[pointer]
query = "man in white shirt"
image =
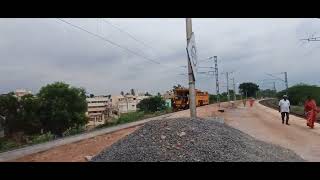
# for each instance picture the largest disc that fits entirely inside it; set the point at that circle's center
(284, 108)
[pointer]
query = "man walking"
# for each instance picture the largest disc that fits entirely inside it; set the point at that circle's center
(284, 108)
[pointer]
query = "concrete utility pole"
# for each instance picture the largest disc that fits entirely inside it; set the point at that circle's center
(274, 87)
(192, 91)
(227, 74)
(286, 81)
(217, 79)
(234, 90)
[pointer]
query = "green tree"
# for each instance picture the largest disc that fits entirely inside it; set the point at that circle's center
(152, 104)
(62, 107)
(21, 115)
(28, 115)
(231, 93)
(9, 106)
(133, 92)
(249, 88)
(212, 98)
(147, 94)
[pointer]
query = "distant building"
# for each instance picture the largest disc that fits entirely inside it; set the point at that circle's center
(98, 110)
(168, 97)
(21, 92)
(98, 99)
(168, 103)
(126, 103)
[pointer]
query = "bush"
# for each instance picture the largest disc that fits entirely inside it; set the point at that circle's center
(42, 138)
(130, 117)
(74, 130)
(168, 110)
(7, 144)
(298, 94)
(212, 98)
(152, 104)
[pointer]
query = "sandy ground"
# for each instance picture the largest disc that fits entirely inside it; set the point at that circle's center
(258, 121)
(77, 151)
(265, 124)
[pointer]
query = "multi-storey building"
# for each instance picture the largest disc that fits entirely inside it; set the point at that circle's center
(98, 110)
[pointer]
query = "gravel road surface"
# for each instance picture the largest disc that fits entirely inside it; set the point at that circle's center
(182, 139)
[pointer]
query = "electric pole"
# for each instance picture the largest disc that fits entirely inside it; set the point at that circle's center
(286, 81)
(217, 79)
(227, 74)
(234, 90)
(192, 91)
(274, 87)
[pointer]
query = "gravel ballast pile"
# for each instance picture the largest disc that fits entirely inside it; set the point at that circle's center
(192, 140)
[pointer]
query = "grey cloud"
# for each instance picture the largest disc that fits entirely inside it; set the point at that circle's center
(34, 52)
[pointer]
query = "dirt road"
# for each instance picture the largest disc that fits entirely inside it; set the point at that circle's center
(258, 121)
(265, 124)
(76, 152)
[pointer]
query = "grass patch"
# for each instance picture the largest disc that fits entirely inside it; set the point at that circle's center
(7, 144)
(130, 117)
(298, 110)
(36, 139)
(134, 116)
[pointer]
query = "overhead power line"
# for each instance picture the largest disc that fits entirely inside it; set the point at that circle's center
(276, 78)
(127, 33)
(109, 41)
(311, 39)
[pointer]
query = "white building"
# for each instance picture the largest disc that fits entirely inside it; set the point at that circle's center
(126, 103)
(21, 92)
(98, 110)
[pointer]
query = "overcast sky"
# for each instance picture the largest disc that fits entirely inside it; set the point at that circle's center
(35, 52)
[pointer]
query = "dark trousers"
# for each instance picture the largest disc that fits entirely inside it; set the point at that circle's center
(287, 117)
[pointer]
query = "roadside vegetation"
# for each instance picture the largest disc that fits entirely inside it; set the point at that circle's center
(297, 95)
(58, 110)
(148, 108)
